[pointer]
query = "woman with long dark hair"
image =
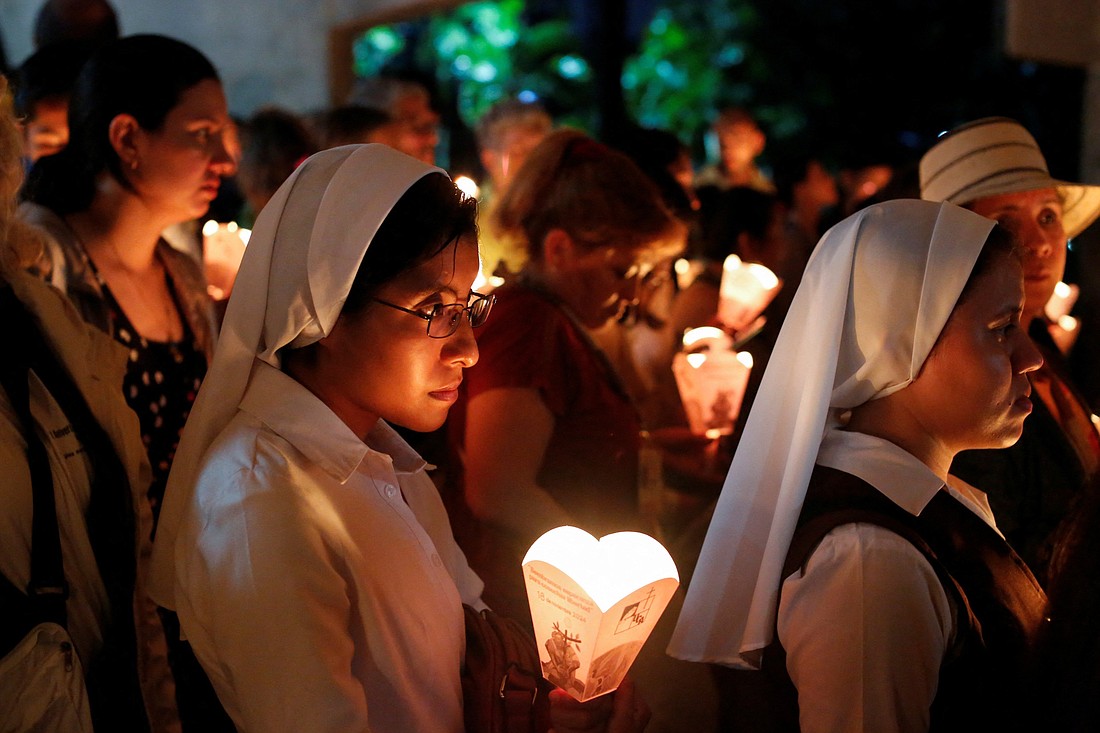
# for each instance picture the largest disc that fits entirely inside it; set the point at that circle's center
(149, 144)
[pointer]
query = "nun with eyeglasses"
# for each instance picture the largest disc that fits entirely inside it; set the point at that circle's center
(303, 544)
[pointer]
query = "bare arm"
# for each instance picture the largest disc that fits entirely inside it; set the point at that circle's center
(507, 432)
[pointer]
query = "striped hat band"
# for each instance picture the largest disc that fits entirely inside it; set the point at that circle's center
(996, 156)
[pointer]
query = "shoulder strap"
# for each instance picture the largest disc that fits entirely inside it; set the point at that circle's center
(47, 589)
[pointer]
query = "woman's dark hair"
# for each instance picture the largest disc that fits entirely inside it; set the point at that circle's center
(999, 242)
(656, 151)
(410, 236)
(350, 124)
(47, 74)
(143, 76)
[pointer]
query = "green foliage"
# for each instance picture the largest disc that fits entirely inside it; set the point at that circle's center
(478, 58)
(837, 78)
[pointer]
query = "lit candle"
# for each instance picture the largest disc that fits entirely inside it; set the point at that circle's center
(1061, 301)
(744, 293)
(594, 603)
(711, 379)
(687, 271)
(468, 186)
(222, 249)
(1064, 333)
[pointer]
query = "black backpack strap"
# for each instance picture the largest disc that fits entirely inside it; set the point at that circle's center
(47, 590)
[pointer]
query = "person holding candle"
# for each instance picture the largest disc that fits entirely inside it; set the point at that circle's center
(741, 221)
(545, 432)
(993, 166)
(302, 542)
(849, 579)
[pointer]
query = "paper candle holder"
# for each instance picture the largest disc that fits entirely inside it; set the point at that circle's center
(222, 249)
(711, 379)
(594, 603)
(745, 291)
(1061, 301)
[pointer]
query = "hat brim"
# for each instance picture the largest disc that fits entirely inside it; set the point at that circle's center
(1080, 206)
(1080, 203)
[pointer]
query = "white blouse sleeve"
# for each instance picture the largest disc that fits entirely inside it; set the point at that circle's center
(865, 628)
(269, 617)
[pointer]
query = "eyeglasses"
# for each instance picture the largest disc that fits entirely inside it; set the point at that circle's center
(443, 320)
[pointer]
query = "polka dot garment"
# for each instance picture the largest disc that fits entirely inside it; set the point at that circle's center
(161, 382)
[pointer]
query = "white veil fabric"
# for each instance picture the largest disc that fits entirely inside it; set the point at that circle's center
(875, 295)
(298, 267)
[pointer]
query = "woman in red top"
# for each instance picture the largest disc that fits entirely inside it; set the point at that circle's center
(547, 433)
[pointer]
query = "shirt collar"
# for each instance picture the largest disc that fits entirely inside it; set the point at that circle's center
(298, 416)
(294, 413)
(899, 475)
(384, 439)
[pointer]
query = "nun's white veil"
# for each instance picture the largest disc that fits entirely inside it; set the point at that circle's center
(876, 293)
(295, 276)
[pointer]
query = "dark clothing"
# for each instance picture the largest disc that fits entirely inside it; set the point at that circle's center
(999, 607)
(1035, 484)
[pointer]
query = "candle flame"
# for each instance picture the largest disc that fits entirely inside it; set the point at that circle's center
(1068, 323)
(763, 275)
(694, 335)
(468, 186)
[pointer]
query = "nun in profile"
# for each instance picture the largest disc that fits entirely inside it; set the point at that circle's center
(848, 582)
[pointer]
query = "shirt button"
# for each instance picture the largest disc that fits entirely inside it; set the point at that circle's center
(391, 490)
(436, 560)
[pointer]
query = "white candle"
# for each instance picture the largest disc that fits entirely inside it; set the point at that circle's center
(222, 249)
(745, 291)
(1061, 301)
(711, 381)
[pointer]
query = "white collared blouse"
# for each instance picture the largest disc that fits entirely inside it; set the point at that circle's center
(317, 578)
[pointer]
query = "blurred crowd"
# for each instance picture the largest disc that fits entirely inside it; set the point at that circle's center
(853, 398)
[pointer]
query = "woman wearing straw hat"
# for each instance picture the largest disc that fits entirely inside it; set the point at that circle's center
(867, 588)
(302, 543)
(994, 167)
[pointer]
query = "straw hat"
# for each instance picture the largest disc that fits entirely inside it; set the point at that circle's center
(994, 156)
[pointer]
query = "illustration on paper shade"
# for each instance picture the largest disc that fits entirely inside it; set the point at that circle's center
(594, 603)
(561, 670)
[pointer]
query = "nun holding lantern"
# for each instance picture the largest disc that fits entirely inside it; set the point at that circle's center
(863, 586)
(303, 545)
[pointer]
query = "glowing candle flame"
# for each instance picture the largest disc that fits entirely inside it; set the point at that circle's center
(468, 186)
(745, 291)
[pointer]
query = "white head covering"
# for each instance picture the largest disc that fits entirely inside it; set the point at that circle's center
(296, 273)
(876, 293)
